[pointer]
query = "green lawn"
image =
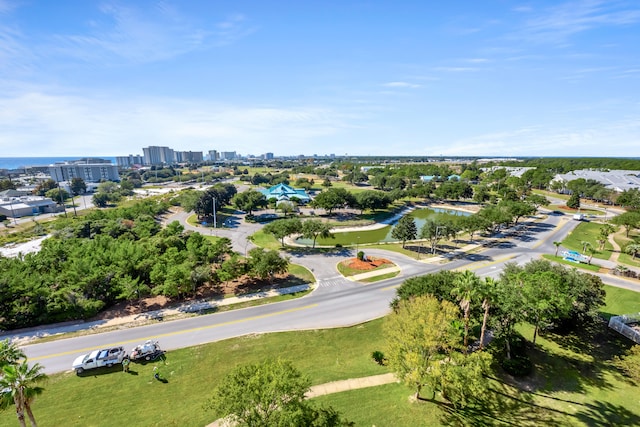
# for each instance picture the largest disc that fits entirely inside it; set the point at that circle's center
(573, 384)
(587, 232)
(560, 260)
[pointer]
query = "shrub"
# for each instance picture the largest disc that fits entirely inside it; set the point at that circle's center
(360, 255)
(378, 357)
(338, 245)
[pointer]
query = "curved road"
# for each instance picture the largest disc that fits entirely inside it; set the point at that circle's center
(336, 301)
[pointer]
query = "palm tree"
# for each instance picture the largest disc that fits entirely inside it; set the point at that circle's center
(465, 288)
(487, 290)
(591, 250)
(17, 386)
(557, 245)
(632, 249)
(585, 245)
(9, 353)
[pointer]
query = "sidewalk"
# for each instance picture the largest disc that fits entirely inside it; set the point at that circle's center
(330, 388)
(23, 336)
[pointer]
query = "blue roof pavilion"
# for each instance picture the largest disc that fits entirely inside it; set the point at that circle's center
(282, 192)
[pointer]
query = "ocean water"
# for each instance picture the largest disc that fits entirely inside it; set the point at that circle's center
(20, 162)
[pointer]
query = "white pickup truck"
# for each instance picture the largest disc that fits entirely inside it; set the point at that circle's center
(98, 358)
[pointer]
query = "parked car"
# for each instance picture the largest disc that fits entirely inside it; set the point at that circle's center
(98, 358)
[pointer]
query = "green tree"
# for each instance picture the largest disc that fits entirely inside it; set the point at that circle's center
(461, 378)
(313, 228)
(265, 264)
(433, 230)
(270, 393)
(10, 353)
(58, 195)
(100, 200)
(629, 220)
(405, 230)
(18, 386)
(326, 183)
(487, 290)
(78, 186)
(574, 200)
(632, 249)
(465, 289)
(333, 198)
(42, 188)
(536, 200)
(282, 228)
(249, 201)
(419, 334)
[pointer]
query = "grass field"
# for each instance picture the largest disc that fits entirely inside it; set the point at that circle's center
(573, 383)
(560, 260)
(587, 232)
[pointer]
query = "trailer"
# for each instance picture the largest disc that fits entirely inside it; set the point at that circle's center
(98, 358)
(150, 350)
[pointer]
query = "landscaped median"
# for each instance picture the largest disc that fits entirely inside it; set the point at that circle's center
(367, 268)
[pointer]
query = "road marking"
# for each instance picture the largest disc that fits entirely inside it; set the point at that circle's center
(155, 337)
(555, 230)
(480, 264)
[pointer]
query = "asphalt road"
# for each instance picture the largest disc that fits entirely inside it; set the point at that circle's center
(336, 302)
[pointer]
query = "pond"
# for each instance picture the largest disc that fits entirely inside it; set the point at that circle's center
(383, 234)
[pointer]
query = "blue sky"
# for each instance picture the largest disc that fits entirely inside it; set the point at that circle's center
(458, 78)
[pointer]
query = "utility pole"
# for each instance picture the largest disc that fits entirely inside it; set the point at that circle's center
(213, 202)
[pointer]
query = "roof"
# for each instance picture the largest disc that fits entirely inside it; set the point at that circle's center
(285, 192)
(618, 180)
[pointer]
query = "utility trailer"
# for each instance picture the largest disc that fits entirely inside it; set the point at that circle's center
(150, 350)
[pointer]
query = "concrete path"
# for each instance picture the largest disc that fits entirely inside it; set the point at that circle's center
(350, 384)
(615, 254)
(330, 388)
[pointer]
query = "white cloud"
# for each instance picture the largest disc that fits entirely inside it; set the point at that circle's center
(601, 139)
(140, 36)
(45, 124)
(6, 6)
(557, 24)
(402, 85)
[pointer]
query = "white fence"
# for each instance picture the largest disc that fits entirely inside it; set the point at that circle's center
(621, 324)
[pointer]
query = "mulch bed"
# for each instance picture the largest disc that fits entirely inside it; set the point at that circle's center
(243, 285)
(369, 264)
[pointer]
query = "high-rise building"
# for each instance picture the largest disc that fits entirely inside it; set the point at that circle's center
(90, 170)
(128, 161)
(213, 155)
(188, 156)
(268, 156)
(227, 155)
(154, 155)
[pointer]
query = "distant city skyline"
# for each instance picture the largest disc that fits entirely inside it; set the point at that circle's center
(378, 78)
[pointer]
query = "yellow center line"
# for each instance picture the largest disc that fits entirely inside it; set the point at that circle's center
(555, 230)
(481, 264)
(200, 328)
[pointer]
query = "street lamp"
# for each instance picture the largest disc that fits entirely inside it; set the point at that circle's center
(357, 243)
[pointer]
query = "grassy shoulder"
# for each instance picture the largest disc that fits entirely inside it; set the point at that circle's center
(560, 260)
(192, 373)
(573, 385)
